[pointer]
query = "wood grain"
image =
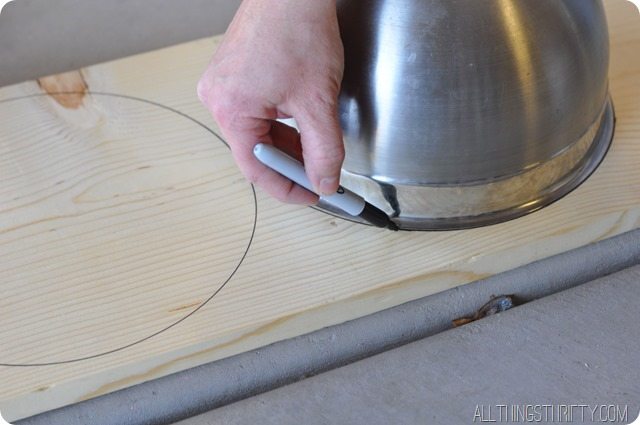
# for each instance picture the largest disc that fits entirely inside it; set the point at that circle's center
(124, 225)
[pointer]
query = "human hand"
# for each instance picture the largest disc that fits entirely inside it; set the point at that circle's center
(280, 59)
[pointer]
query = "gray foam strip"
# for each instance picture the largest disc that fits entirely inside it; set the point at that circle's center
(577, 346)
(206, 387)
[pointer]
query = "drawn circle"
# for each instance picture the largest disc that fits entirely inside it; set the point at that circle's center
(118, 221)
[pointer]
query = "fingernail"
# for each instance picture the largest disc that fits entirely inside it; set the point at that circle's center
(328, 186)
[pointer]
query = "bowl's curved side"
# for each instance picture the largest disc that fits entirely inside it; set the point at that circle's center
(492, 201)
(451, 92)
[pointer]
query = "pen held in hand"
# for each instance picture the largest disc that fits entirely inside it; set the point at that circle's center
(343, 199)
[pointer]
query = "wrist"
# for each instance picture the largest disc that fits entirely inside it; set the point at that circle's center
(309, 11)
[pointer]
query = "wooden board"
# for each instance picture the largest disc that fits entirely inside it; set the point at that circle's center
(131, 247)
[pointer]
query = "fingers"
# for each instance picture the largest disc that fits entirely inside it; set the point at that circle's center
(247, 117)
(270, 181)
(243, 133)
(244, 126)
(322, 144)
(280, 59)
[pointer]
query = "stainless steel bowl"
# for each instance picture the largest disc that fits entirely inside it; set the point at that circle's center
(461, 113)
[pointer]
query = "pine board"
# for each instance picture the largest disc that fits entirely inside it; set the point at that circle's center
(131, 247)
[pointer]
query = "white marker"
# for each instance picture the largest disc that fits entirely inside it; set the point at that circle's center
(343, 199)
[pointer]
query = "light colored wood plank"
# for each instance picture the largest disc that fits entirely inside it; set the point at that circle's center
(120, 217)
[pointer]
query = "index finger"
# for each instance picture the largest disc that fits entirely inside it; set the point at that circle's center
(254, 131)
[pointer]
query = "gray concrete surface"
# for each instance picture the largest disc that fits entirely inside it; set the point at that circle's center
(217, 384)
(577, 347)
(43, 37)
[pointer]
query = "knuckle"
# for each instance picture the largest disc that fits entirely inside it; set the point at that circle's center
(278, 189)
(230, 106)
(221, 112)
(277, 192)
(203, 89)
(323, 99)
(327, 156)
(251, 175)
(279, 195)
(225, 108)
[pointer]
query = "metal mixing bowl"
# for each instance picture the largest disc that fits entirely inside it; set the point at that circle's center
(461, 113)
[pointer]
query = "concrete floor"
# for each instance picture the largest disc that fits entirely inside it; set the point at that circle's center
(577, 347)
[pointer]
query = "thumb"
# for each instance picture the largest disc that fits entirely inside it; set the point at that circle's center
(322, 146)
